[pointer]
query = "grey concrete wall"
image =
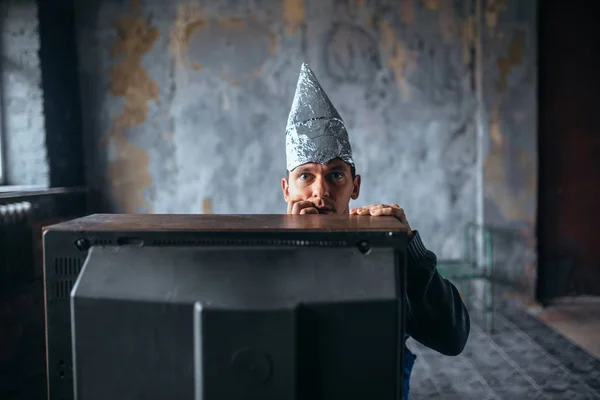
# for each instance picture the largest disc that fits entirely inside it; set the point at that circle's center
(22, 103)
(185, 104)
(509, 48)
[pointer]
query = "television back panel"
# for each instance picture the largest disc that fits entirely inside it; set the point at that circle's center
(66, 247)
(326, 315)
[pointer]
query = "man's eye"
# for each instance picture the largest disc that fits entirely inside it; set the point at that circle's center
(303, 176)
(337, 175)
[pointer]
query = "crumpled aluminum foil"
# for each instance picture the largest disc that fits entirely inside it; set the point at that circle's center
(315, 132)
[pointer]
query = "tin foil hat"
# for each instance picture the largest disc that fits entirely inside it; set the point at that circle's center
(315, 132)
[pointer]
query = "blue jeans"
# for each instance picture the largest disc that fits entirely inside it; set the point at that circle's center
(409, 362)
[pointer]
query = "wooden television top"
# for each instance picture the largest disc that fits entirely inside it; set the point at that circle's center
(226, 222)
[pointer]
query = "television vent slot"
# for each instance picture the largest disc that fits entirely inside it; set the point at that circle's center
(249, 242)
(68, 266)
(102, 242)
(63, 288)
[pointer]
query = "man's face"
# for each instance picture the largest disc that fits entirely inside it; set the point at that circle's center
(329, 187)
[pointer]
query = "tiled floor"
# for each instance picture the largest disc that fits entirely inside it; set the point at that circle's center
(577, 319)
(522, 359)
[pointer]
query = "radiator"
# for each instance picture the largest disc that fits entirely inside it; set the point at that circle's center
(16, 246)
(22, 334)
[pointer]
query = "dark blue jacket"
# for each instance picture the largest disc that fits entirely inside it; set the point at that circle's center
(436, 315)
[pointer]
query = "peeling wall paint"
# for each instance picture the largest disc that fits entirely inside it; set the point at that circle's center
(510, 167)
(493, 8)
(400, 73)
(468, 39)
(294, 15)
(396, 56)
(128, 163)
(514, 197)
(447, 21)
(514, 58)
(433, 5)
(199, 41)
(407, 12)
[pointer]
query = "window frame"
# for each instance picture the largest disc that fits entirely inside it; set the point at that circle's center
(2, 142)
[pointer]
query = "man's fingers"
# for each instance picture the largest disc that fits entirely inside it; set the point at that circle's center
(383, 211)
(369, 210)
(298, 206)
(309, 210)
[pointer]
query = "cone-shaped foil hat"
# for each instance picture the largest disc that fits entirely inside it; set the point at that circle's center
(315, 131)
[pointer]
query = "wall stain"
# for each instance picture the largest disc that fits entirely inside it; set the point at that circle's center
(128, 174)
(495, 132)
(359, 4)
(206, 206)
(407, 12)
(513, 202)
(447, 21)
(493, 9)
(274, 43)
(397, 56)
(191, 28)
(128, 77)
(513, 59)
(232, 23)
(197, 66)
(250, 76)
(433, 5)
(369, 20)
(191, 21)
(294, 15)
(128, 170)
(468, 39)
(136, 6)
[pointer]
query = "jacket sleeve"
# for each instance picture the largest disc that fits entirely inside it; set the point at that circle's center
(436, 315)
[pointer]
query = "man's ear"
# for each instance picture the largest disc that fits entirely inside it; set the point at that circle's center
(285, 188)
(356, 188)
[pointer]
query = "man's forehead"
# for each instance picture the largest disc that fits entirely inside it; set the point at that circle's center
(335, 164)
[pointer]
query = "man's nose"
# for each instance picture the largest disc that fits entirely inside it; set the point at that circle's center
(320, 189)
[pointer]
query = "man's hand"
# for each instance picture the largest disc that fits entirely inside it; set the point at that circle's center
(301, 207)
(377, 210)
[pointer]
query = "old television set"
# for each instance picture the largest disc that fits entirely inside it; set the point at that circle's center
(225, 307)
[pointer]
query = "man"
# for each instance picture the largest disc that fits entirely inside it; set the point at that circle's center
(321, 179)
